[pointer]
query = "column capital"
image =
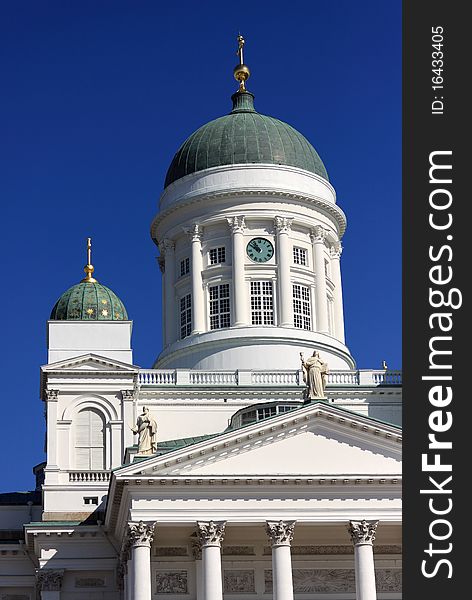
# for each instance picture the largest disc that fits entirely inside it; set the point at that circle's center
(49, 580)
(194, 232)
(280, 533)
(236, 224)
(52, 395)
(283, 224)
(336, 250)
(362, 532)
(166, 245)
(128, 394)
(318, 235)
(210, 533)
(140, 534)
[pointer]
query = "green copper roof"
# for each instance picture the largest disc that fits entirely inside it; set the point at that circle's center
(89, 301)
(244, 137)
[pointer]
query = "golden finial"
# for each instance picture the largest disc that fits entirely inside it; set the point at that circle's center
(241, 72)
(89, 267)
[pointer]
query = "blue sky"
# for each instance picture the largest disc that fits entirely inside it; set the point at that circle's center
(97, 97)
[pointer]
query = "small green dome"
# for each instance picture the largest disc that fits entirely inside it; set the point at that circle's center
(89, 301)
(244, 137)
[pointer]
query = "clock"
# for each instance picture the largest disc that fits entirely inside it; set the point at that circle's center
(260, 250)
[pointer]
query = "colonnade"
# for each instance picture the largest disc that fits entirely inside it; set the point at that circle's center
(136, 559)
(240, 300)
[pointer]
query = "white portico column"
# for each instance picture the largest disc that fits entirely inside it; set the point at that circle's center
(49, 582)
(321, 297)
(362, 535)
(140, 538)
(280, 535)
(210, 535)
(167, 249)
(335, 252)
(238, 226)
(198, 308)
(283, 227)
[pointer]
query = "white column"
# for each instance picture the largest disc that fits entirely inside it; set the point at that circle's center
(51, 440)
(49, 582)
(198, 308)
(210, 535)
(362, 535)
(280, 534)
(284, 258)
(140, 537)
(241, 301)
(335, 252)
(321, 296)
(167, 249)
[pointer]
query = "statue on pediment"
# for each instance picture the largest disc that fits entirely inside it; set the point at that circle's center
(146, 429)
(315, 371)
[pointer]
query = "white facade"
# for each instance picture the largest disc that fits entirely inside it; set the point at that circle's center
(251, 490)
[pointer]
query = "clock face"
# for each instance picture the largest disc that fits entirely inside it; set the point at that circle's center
(260, 250)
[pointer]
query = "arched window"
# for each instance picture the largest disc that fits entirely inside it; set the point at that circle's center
(89, 440)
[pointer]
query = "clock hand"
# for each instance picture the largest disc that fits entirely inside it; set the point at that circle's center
(256, 246)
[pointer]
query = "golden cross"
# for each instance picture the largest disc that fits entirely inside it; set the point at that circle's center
(240, 49)
(89, 251)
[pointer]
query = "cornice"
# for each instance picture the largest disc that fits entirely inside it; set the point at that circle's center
(330, 208)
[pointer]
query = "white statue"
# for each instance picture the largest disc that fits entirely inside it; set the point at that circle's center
(146, 428)
(314, 375)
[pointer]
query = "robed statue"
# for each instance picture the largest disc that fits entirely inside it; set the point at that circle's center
(146, 429)
(315, 371)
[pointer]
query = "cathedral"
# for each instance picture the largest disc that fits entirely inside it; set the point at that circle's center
(253, 459)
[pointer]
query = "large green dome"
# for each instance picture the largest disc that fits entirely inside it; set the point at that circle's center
(89, 301)
(244, 137)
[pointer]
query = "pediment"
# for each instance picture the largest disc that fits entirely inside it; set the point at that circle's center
(90, 362)
(318, 440)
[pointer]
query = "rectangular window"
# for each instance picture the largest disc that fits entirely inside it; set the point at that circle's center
(185, 316)
(219, 306)
(300, 256)
(262, 303)
(217, 255)
(301, 306)
(91, 500)
(184, 266)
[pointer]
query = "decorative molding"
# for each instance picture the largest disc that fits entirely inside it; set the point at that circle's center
(238, 551)
(211, 533)
(318, 235)
(283, 224)
(334, 550)
(194, 232)
(89, 582)
(389, 580)
(128, 394)
(336, 250)
(140, 534)
(49, 580)
(309, 581)
(362, 532)
(170, 551)
(239, 581)
(237, 224)
(280, 533)
(172, 582)
(52, 395)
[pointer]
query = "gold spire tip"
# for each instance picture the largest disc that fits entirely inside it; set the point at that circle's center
(241, 72)
(89, 269)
